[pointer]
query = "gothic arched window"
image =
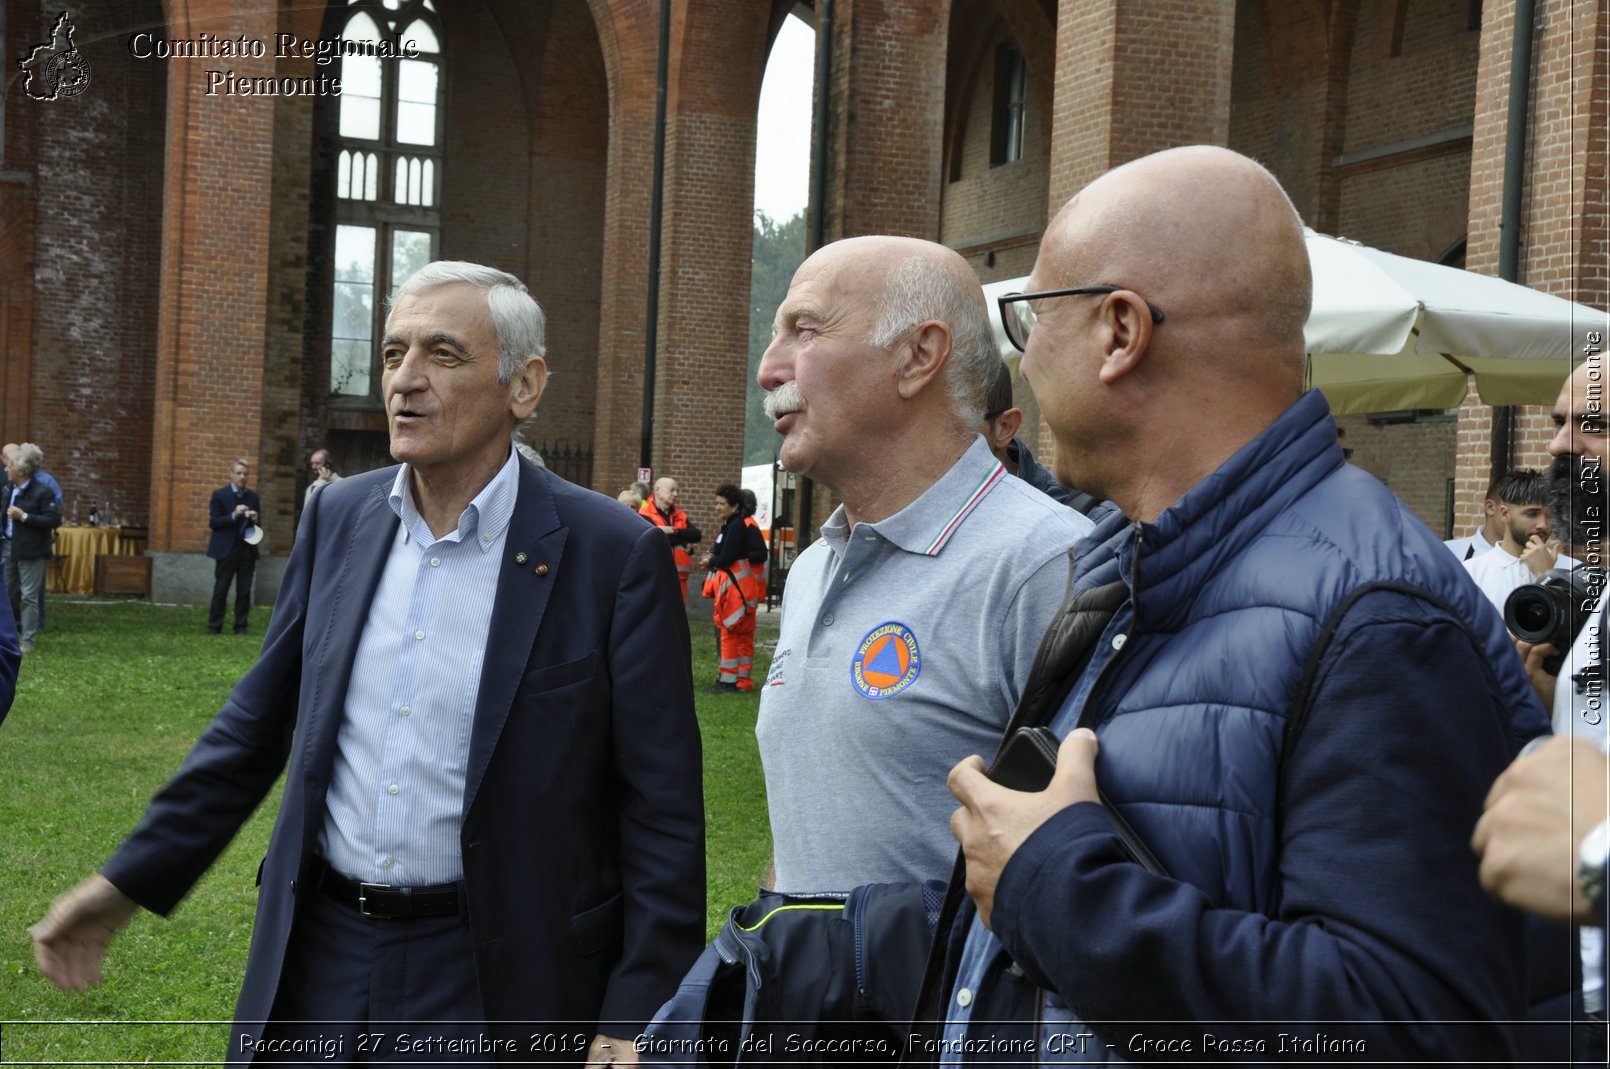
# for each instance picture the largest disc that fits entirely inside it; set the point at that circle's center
(388, 175)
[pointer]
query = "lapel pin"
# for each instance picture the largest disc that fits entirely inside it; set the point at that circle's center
(542, 569)
(520, 558)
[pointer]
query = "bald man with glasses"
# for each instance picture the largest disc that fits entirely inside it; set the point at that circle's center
(1281, 683)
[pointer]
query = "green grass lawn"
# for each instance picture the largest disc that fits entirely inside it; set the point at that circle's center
(105, 711)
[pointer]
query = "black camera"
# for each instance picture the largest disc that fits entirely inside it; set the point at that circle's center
(1553, 609)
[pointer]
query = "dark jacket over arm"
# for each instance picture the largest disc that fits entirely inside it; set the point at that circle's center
(1381, 916)
(737, 541)
(30, 536)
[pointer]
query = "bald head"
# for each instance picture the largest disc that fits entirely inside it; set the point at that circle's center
(913, 282)
(876, 369)
(1212, 287)
(1207, 235)
(665, 492)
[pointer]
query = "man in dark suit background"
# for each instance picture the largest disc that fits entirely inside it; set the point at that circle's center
(31, 518)
(483, 819)
(231, 513)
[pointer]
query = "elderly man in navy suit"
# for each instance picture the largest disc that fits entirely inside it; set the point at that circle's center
(484, 821)
(232, 514)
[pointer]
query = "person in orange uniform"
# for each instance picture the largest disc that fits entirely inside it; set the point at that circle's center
(759, 549)
(734, 580)
(662, 511)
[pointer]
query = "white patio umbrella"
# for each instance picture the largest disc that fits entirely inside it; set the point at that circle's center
(1390, 332)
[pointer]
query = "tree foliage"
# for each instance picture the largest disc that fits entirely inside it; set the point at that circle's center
(779, 248)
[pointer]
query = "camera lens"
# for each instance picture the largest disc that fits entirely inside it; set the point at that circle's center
(1532, 615)
(1536, 612)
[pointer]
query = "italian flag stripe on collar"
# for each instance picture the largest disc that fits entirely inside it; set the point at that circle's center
(971, 503)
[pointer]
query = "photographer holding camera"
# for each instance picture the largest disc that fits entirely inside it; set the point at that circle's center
(1576, 499)
(1543, 837)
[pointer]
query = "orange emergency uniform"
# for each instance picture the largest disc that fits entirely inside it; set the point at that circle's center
(736, 590)
(735, 617)
(679, 520)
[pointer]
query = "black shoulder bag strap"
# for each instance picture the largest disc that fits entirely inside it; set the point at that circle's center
(1062, 657)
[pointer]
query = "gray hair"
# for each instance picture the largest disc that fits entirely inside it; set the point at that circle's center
(524, 447)
(920, 290)
(240, 462)
(29, 457)
(516, 316)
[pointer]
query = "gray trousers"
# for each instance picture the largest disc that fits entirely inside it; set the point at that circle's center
(25, 585)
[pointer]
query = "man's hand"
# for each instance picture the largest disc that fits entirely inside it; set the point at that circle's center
(15, 513)
(1536, 816)
(1533, 657)
(239, 509)
(994, 821)
(607, 1050)
(667, 528)
(1539, 555)
(71, 941)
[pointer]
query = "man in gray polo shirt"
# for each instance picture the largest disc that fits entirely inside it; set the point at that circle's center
(909, 626)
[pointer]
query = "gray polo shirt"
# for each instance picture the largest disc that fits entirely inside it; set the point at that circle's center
(904, 648)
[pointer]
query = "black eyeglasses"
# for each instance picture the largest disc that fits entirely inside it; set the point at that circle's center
(1017, 313)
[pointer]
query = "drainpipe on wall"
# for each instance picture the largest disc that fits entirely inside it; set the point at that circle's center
(651, 336)
(1502, 457)
(818, 210)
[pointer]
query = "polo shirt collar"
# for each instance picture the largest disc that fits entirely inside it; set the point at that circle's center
(926, 525)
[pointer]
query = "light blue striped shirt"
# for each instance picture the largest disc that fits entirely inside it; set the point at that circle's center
(396, 799)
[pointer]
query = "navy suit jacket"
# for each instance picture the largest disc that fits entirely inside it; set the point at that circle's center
(226, 526)
(583, 833)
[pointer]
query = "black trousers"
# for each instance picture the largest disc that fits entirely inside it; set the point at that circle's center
(240, 567)
(359, 990)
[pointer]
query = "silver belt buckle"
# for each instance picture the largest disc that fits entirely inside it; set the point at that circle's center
(363, 898)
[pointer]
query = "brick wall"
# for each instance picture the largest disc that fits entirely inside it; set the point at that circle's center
(628, 32)
(994, 213)
(1364, 112)
(888, 91)
(217, 205)
(1472, 470)
(569, 149)
(1411, 80)
(86, 392)
(1288, 96)
(1133, 78)
(1563, 219)
(287, 437)
(486, 176)
(18, 177)
(139, 320)
(1415, 460)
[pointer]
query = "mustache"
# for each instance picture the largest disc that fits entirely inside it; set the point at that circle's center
(1577, 499)
(783, 400)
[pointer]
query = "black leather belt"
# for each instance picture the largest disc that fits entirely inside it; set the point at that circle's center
(383, 900)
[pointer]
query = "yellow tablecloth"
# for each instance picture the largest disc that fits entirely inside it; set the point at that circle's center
(73, 569)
